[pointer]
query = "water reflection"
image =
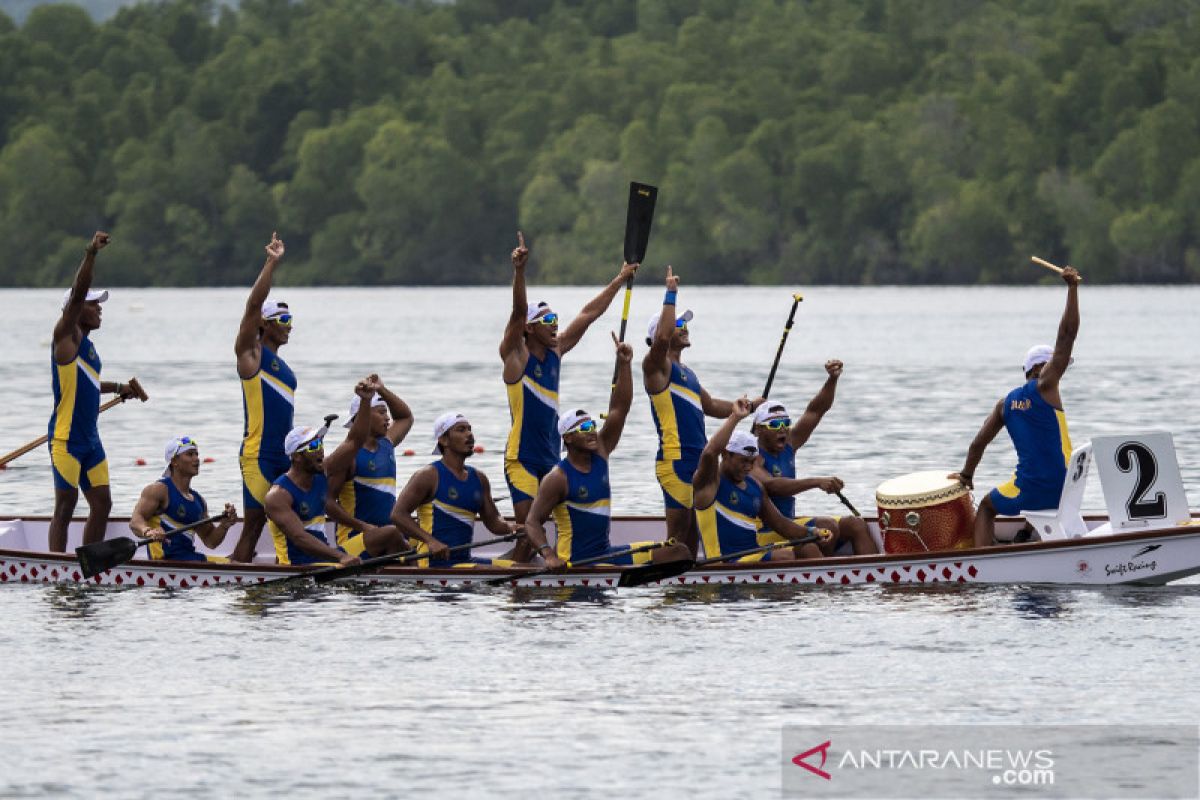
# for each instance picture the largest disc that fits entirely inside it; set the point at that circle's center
(75, 601)
(1044, 603)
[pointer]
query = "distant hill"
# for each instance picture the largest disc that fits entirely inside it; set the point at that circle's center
(99, 10)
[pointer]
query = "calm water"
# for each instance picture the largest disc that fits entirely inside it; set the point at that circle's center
(645, 692)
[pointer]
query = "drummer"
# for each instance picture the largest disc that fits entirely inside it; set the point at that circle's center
(778, 441)
(1033, 415)
(731, 504)
(171, 502)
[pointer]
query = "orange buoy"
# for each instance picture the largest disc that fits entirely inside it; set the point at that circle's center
(209, 460)
(409, 453)
(141, 462)
(478, 448)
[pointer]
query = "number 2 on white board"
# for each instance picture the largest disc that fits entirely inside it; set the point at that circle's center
(1135, 455)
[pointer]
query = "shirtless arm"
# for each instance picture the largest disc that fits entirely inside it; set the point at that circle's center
(656, 365)
(489, 514)
(620, 400)
(279, 510)
(213, 535)
(991, 426)
(513, 351)
(822, 401)
(419, 490)
(1068, 329)
(776, 521)
(152, 500)
(246, 346)
(594, 308)
(705, 481)
(67, 333)
(551, 492)
(402, 416)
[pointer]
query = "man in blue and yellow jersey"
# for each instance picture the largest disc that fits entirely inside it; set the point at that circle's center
(362, 470)
(778, 441)
(171, 503)
(76, 454)
(447, 496)
(268, 397)
(532, 350)
(576, 492)
(1033, 415)
(295, 506)
(678, 404)
(731, 505)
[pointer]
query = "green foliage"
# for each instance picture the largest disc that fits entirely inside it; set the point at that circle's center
(401, 142)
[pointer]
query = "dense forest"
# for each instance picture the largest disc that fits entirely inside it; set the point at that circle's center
(829, 141)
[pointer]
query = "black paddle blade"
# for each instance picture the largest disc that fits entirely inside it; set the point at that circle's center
(637, 222)
(652, 572)
(100, 556)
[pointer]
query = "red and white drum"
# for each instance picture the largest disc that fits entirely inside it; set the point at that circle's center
(925, 511)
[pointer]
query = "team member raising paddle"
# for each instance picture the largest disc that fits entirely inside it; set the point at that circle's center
(76, 454)
(532, 351)
(1033, 415)
(577, 491)
(268, 397)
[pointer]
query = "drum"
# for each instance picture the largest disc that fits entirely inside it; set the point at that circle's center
(925, 511)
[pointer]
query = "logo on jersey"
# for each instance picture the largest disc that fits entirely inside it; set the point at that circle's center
(775, 470)
(371, 465)
(1021, 405)
(179, 512)
(583, 492)
(303, 509)
(274, 365)
(537, 371)
(733, 498)
(452, 493)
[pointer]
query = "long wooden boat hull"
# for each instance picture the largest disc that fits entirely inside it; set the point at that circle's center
(1147, 558)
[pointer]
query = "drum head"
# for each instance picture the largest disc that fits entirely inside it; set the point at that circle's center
(918, 489)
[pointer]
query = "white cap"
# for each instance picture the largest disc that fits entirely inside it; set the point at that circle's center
(356, 403)
(1040, 354)
(273, 308)
(652, 328)
(298, 437)
(769, 411)
(180, 444)
(571, 419)
(535, 310)
(444, 423)
(742, 444)
(93, 296)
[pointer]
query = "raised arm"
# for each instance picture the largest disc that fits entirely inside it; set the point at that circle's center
(1064, 343)
(279, 510)
(152, 500)
(991, 426)
(593, 309)
(338, 463)
(822, 401)
(656, 366)
(418, 491)
(513, 352)
(704, 482)
(67, 333)
(620, 400)
(551, 492)
(246, 346)
(402, 416)
(490, 515)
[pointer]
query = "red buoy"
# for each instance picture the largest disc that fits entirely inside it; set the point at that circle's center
(409, 453)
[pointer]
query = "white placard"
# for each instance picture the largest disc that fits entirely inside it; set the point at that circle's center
(1140, 477)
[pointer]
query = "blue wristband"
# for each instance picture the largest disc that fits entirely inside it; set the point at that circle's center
(669, 300)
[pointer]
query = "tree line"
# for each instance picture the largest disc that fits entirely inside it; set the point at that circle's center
(827, 141)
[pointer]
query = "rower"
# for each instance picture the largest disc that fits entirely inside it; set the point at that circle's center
(362, 470)
(577, 492)
(447, 496)
(171, 503)
(532, 350)
(678, 404)
(1033, 415)
(730, 505)
(76, 454)
(778, 440)
(268, 397)
(295, 505)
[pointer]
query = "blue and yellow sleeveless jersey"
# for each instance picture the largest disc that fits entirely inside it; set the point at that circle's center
(679, 417)
(310, 508)
(370, 493)
(73, 437)
(731, 523)
(268, 402)
(533, 406)
(450, 515)
(180, 512)
(583, 517)
(1039, 433)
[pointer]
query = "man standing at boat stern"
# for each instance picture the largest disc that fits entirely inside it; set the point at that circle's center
(577, 492)
(1033, 415)
(76, 454)
(268, 397)
(678, 404)
(532, 351)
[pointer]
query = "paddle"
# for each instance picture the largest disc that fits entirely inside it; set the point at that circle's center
(582, 562)
(638, 219)
(133, 384)
(787, 328)
(100, 556)
(812, 537)
(646, 573)
(848, 504)
(326, 575)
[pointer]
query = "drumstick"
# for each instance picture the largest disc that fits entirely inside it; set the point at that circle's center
(1047, 264)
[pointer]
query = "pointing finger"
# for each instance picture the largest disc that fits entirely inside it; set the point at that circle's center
(520, 239)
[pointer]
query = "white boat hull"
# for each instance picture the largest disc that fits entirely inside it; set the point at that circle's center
(1147, 558)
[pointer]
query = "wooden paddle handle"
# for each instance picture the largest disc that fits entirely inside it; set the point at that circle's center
(133, 384)
(1043, 262)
